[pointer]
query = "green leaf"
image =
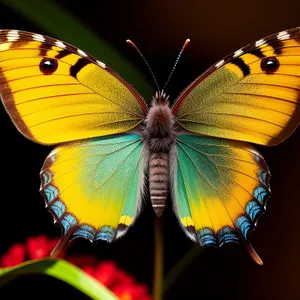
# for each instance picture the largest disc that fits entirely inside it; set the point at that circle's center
(70, 29)
(61, 270)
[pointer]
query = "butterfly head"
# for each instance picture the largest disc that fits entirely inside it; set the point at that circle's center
(159, 124)
(160, 98)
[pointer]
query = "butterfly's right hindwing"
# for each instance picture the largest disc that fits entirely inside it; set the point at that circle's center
(220, 188)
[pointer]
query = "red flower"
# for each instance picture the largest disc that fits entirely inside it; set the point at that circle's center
(82, 261)
(132, 292)
(122, 284)
(14, 256)
(37, 247)
(40, 246)
(105, 273)
(119, 282)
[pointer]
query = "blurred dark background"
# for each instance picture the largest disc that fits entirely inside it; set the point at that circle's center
(159, 28)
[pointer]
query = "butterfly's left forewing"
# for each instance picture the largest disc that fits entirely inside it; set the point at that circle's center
(220, 188)
(55, 92)
(93, 188)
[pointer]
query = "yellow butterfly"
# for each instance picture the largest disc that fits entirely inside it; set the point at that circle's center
(110, 139)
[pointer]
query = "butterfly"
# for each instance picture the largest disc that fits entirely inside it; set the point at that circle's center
(197, 151)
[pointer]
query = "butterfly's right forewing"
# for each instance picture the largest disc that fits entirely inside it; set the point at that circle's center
(251, 95)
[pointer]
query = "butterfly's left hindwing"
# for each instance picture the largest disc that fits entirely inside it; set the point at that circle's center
(93, 188)
(220, 187)
(55, 92)
(252, 95)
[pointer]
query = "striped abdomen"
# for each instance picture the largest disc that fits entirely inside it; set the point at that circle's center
(159, 181)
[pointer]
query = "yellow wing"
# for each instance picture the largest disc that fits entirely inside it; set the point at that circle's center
(220, 188)
(55, 92)
(251, 95)
(93, 188)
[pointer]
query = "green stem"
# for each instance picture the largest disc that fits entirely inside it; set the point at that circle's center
(158, 259)
(180, 267)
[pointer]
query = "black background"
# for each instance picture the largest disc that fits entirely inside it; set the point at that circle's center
(159, 28)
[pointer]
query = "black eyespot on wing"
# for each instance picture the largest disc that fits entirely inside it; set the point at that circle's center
(269, 64)
(48, 66)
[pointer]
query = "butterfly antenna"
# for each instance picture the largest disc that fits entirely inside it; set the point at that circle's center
(176, 61)
(143, 57)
